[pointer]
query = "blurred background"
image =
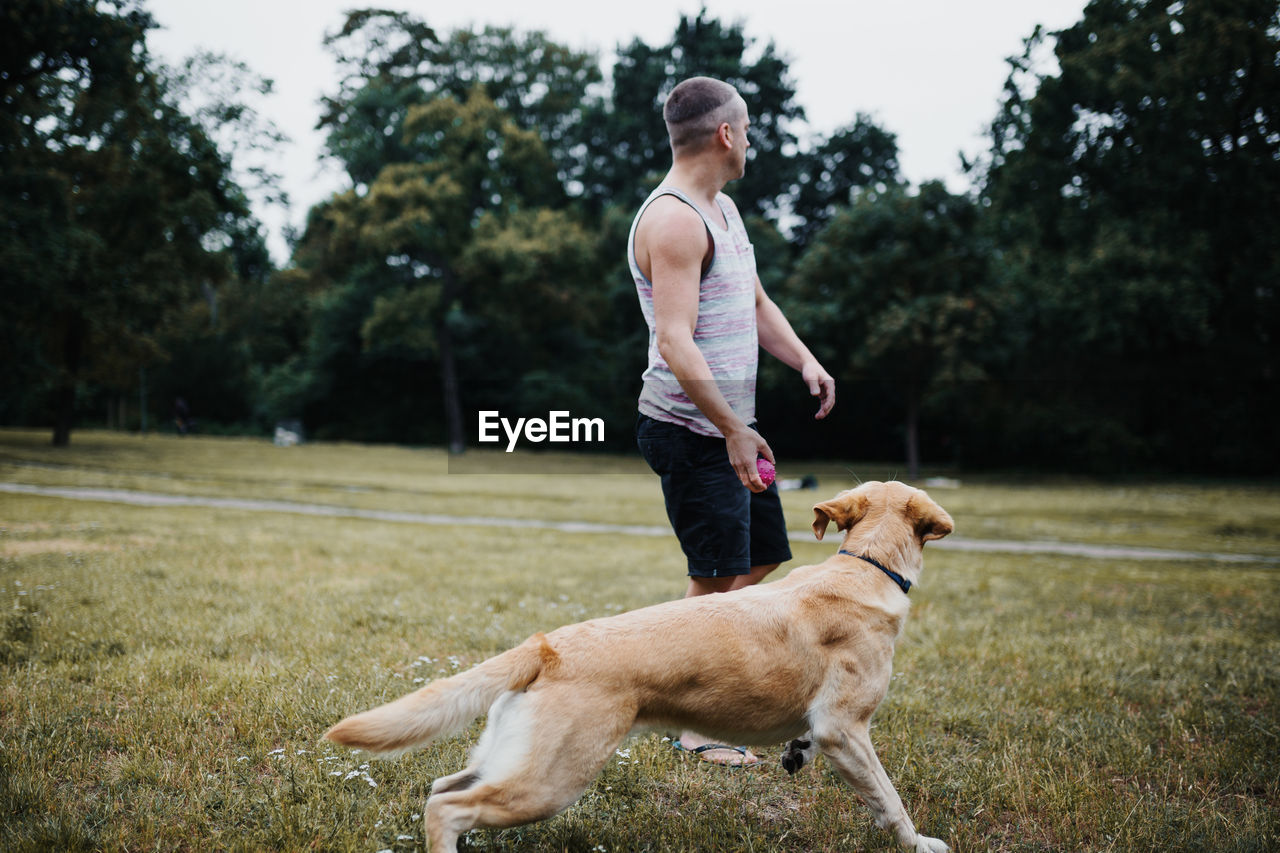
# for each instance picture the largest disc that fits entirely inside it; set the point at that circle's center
(1020, 235)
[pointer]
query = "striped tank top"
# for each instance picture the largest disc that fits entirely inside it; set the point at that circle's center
(726, 329)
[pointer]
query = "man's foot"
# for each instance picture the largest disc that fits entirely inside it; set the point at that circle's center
(716, 753)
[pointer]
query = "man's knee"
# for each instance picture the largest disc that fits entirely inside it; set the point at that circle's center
(757, 574)
(706, 586)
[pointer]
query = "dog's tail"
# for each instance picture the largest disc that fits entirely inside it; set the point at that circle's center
(445, 707)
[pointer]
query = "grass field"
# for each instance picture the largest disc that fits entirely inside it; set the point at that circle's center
(165, 672)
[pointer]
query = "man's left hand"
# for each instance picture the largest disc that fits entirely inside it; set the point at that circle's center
(821, 385)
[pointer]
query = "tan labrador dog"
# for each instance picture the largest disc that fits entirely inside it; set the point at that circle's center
(809, 655)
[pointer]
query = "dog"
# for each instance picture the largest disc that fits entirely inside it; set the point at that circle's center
(805, 659)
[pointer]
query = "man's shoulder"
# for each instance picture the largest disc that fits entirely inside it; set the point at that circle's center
(673, 229)
(668, 217)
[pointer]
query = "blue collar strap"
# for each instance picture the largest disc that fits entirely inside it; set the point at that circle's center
(903, 583)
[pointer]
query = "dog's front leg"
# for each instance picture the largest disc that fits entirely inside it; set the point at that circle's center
(849, 749)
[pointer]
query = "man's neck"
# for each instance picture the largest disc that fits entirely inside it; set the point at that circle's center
(699, 179)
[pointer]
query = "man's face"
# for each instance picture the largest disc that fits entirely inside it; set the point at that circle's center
(741, 142)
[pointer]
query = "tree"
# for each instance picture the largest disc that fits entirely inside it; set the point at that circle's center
(859, 156)
(382, 57)
(219, 93)
(113, 204)
(458, 149)
(894, 287)
(539, 83)
(1136, 194)
(215, 344)
(453, 244)
(392, 61)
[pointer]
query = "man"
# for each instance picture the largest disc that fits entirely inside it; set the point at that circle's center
(708, 315)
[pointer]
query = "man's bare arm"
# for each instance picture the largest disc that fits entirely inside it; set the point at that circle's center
(780, 340)
(675, 244)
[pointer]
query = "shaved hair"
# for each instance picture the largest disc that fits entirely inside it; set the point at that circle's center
(696, 108)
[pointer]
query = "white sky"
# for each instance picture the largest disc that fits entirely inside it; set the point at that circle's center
(929, 71)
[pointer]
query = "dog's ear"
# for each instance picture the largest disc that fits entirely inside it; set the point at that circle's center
(929, 520)
(844, 510)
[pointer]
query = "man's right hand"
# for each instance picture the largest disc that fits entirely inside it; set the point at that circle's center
(745, 445)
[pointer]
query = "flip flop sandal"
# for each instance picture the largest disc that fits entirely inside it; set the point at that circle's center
(706, 747)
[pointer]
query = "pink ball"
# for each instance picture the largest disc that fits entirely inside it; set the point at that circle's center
(767, 473)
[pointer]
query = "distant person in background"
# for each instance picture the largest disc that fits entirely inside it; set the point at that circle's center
(708, 315)
(181, 415)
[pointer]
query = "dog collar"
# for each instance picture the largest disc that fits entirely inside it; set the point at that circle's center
(903, 583)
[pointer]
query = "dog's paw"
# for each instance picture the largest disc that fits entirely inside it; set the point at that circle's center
(925, 844)
(796, 754)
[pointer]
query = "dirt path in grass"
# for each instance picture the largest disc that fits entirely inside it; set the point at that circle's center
(951, 543)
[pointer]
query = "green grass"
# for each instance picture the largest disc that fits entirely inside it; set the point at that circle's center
(165, 673)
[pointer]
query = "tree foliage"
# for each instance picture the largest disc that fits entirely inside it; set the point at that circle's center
(1106, 298)
(392, 61)
(1137, 195)
(895, 288)
(829, 176)
(114, 205)
(460, 244)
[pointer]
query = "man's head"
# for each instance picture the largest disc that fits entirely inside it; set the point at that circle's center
(697, 109)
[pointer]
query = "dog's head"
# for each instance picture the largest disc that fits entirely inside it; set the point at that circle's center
(878, 501)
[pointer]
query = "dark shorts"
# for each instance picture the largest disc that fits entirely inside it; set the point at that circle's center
(724, 528)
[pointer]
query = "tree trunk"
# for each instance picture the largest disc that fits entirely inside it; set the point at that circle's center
(452, 401)
(64, 403)
(64, 393)
(913, 436)
(449, 367)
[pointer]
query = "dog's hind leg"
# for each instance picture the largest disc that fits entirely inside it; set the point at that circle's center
(457, 782)
(848, 747)
(535, 758)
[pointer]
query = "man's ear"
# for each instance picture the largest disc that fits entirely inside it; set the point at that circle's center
(844, 510)
(724, 135)
(929, 520)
